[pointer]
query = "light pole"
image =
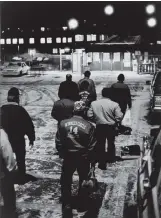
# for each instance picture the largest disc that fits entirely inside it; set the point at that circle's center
(72, 25)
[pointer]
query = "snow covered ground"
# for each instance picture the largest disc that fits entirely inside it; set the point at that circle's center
(116, 185)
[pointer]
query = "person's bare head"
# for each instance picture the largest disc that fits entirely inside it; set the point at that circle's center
(87, 73)
(68, 77)
(121, 77)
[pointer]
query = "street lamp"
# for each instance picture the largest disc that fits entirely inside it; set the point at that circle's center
(150, 9)
(152, 22)
(73, 23)
(109, 9)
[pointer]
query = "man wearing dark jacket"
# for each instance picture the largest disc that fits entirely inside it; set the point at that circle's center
(69, 88)
(121, 93)
(17, 123)
(75, 143)
(91, 87)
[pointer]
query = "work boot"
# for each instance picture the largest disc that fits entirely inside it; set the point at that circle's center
(102, 166)
(67, 211)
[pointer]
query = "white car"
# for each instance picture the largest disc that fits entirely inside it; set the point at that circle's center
(16, 69)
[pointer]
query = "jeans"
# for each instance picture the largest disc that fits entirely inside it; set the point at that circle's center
(71, 163)
(9, 198)
(20, 158)
(103, 132)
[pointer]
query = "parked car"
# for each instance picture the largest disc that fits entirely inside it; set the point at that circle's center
(149, 177)
(15, 69)
(155, 92)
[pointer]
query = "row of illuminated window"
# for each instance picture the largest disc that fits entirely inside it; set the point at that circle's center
(78, 38)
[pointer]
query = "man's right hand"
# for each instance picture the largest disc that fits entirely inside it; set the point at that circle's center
(31, 144)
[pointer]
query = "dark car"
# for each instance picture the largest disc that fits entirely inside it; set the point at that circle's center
(149, 177)
(155, 92)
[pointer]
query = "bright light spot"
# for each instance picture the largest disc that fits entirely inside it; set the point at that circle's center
(49, 40)
(93, 37)
(65, 27)
(2, 41)
(31, 40)
(67, 49)
(152, 22)
(3, 31)
(42, 40)
(8, 41)
(109, 10)
(89, 38)
(14, 41)
(21, 41)
(42, 29)
(58, 40)
(18, 28)
(159, 42)
(8, 28)
(70, 39)
(73, 23)
(32, 30)
(55, 50)
(150, 9)
(64, 39)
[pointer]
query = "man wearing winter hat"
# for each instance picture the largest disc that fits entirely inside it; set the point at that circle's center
(17, 123)
(75, 143)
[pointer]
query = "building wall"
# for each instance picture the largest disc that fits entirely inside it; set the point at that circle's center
(114, 61)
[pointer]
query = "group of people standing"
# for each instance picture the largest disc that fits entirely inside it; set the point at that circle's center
(84, 124)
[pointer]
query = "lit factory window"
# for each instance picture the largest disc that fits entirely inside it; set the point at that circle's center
(49, 40)
(58, 40)
(42, 40)
(55, 50)
(14, 41)
(8, 41)
(2, 41)
(21, 41)
(89, 38)
(64, 39)
(79, 38)
(70, 39)
(31, 40)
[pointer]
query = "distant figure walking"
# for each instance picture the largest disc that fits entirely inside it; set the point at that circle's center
(17, 123)
(69, 89)
(91, 87)
(121, 93)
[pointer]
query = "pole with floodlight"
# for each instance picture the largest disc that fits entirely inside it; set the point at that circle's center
(72, 25)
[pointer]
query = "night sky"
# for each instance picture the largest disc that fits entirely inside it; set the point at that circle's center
(128, 16)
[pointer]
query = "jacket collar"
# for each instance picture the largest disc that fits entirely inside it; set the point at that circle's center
(11, 103)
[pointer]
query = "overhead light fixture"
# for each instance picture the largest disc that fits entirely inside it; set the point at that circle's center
(152, 22)
(65, 27)
(150, 9)
(109, 10)
(73, 23)
(67, 49)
